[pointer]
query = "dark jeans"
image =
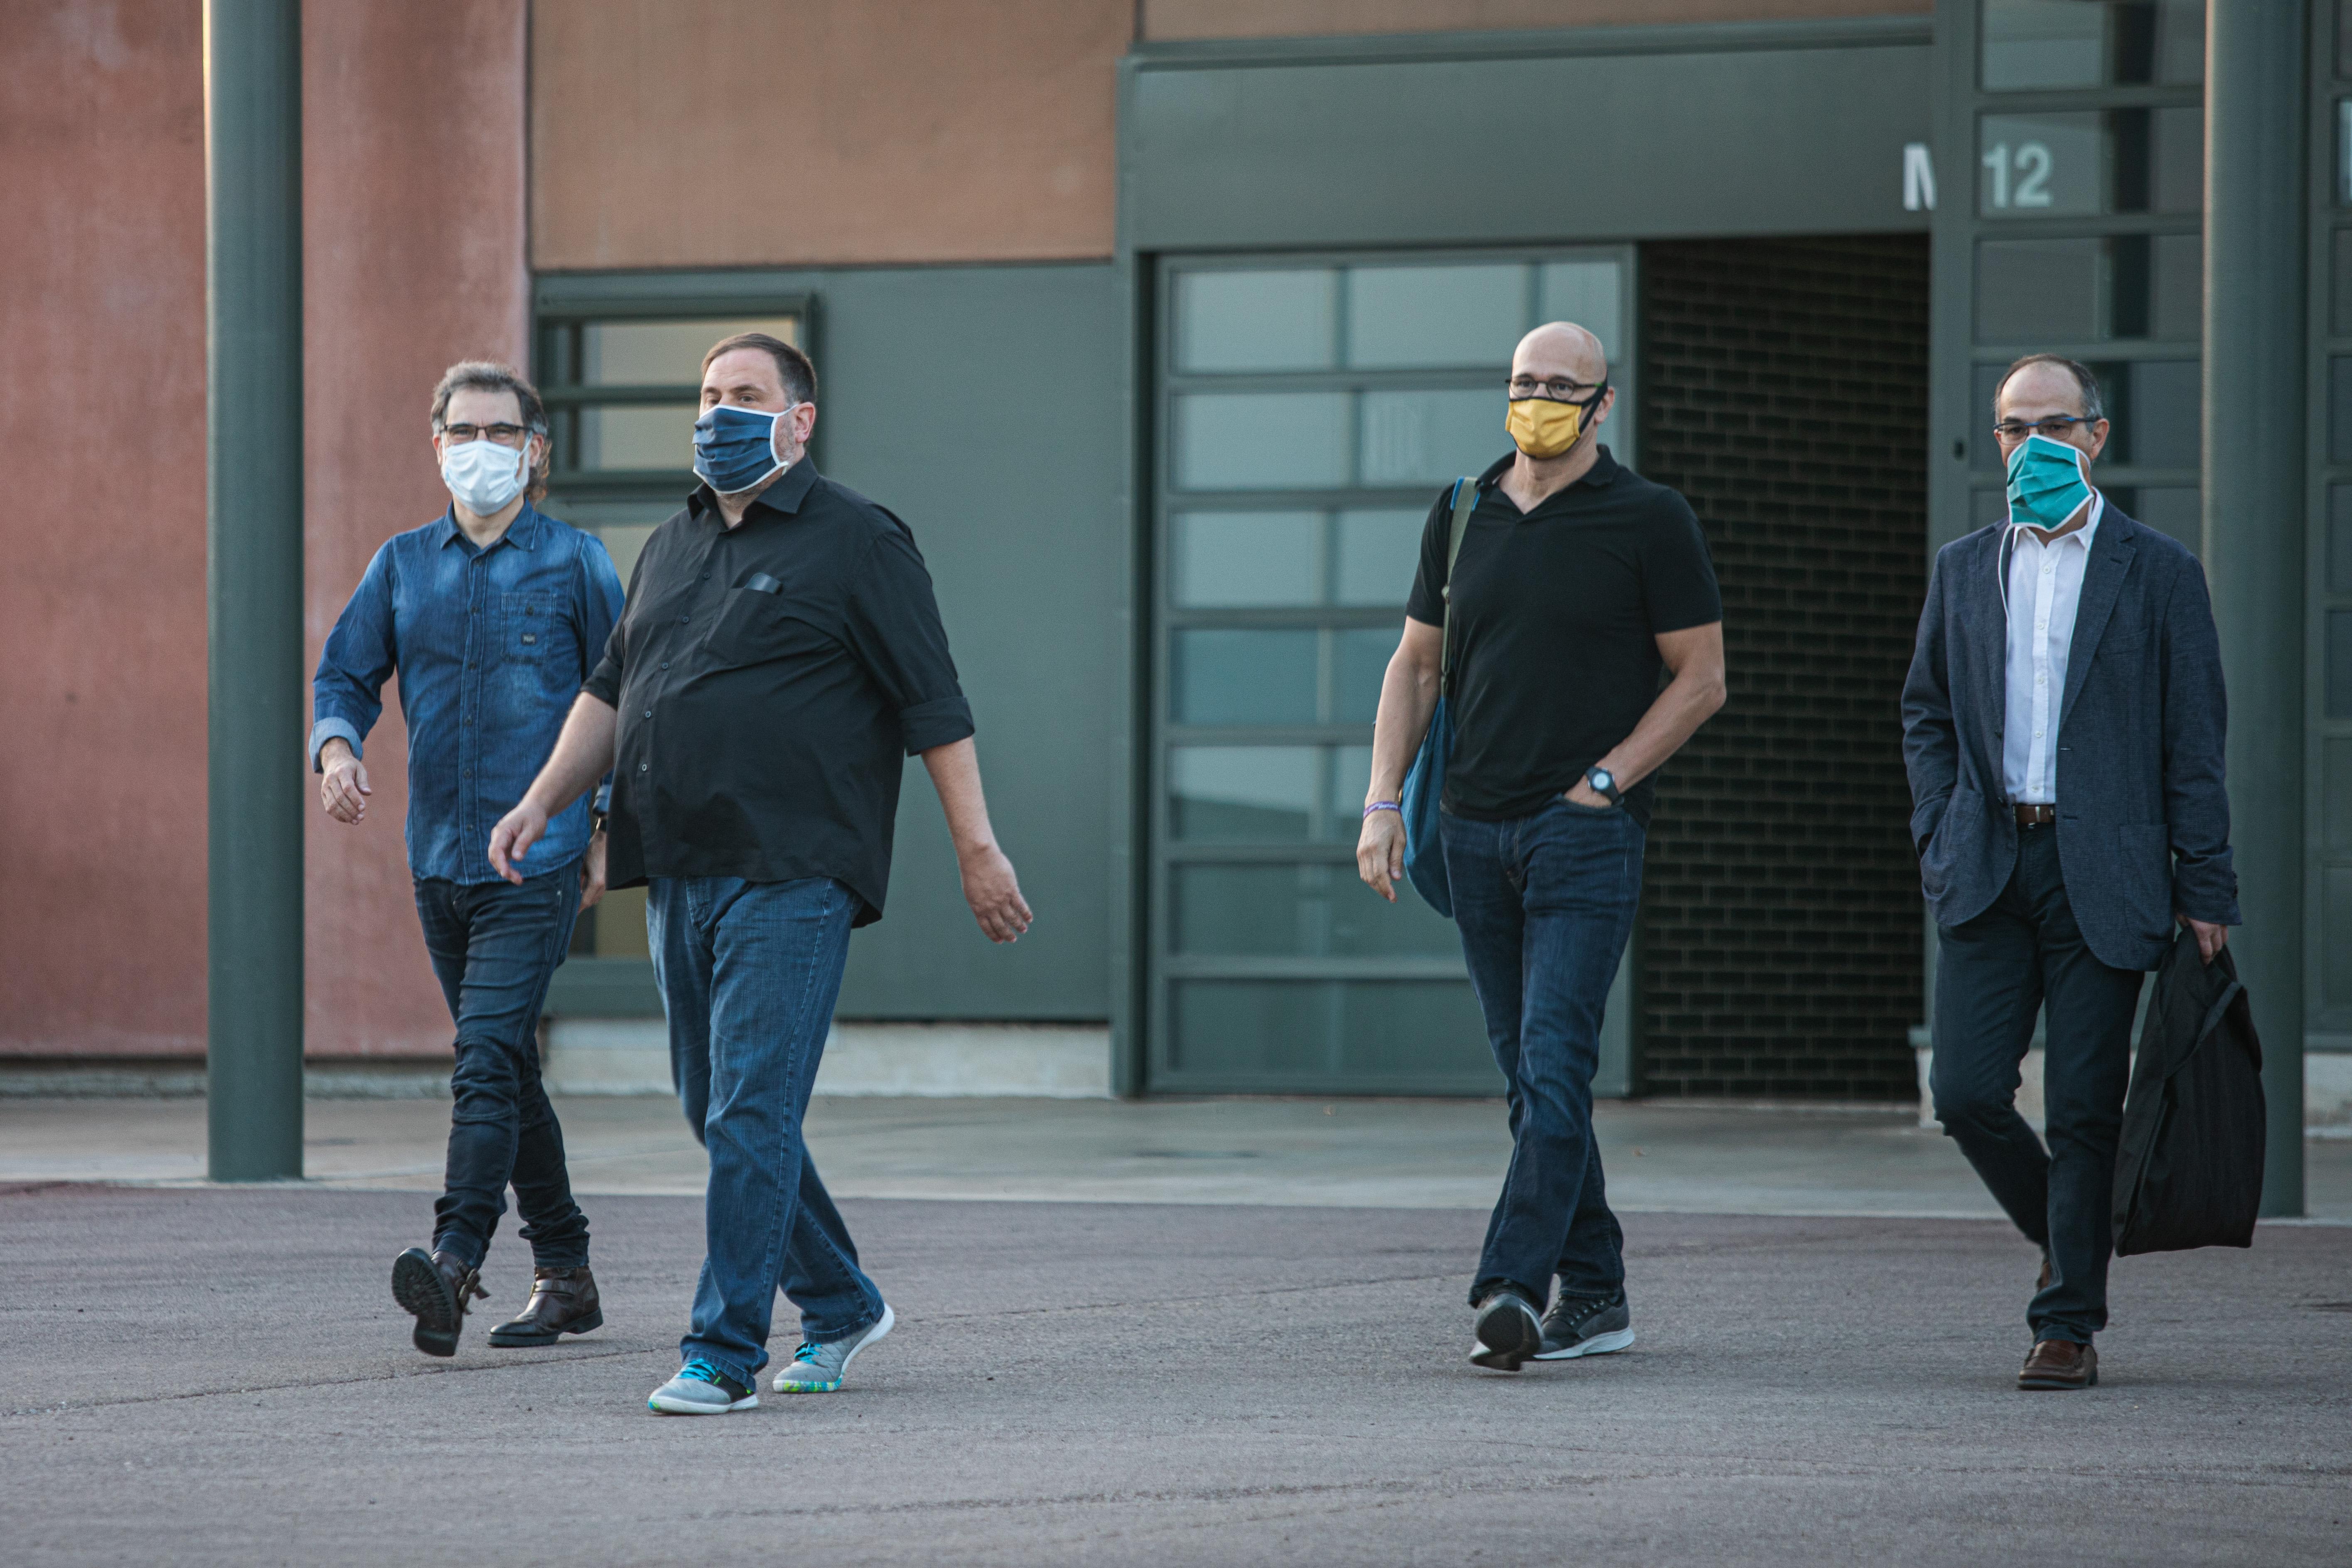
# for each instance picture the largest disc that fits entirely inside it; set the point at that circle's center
(1992, 975)
(749, 973)
(1545, 904)
(495, 946)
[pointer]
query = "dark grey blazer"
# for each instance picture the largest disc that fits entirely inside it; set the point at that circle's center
(2143, 819)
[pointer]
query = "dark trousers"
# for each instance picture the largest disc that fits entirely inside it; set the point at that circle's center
(1545, 905)
(1993, 974)
(494, 947)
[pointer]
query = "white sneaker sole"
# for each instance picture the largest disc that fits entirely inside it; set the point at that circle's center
(880, 1330)
(661, 1406)
(1598, 1344)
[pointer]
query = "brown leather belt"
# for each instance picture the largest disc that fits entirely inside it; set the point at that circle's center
(2034, 816)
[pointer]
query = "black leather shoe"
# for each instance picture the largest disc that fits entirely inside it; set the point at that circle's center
(562, 1301)
(437, 1289)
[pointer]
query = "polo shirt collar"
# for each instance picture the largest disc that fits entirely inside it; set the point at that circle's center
(1601, 476)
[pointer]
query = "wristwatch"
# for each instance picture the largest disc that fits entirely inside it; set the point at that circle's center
(596, 820)
(1604, 784)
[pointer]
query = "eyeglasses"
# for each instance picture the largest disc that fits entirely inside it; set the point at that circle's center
(1559, 389)
(2057, 428)
(504, 435)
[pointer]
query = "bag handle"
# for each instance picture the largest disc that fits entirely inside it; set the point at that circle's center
(1465, 501)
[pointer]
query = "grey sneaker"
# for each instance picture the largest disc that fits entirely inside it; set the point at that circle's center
(1586, 1325)
(701, 1389)
(1507, 1330)
(818, 1368)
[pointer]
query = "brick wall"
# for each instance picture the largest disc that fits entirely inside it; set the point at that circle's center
(1784, 391)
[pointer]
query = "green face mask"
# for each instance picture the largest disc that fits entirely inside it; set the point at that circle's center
(2046, 482)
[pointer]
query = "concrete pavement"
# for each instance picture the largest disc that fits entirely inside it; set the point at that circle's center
(217, 1376)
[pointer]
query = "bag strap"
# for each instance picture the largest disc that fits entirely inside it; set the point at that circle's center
(1465, 501)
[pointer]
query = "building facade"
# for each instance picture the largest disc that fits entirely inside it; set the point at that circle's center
(1162, 324)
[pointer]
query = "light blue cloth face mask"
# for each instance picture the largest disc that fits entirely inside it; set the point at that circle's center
(2046, 482)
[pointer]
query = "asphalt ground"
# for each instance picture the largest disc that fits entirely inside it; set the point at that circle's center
(213, 1375)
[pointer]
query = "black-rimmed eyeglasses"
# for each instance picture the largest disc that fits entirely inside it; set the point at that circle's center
(2057, 428)
(504, 435)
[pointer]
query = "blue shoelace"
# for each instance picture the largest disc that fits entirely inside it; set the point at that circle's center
(703, 1372)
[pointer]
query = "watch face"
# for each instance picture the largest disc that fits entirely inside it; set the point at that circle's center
(1602, 779)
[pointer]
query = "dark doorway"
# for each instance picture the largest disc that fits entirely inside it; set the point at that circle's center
(1784, 390)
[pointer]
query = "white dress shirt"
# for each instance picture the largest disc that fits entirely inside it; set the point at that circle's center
(2045, 584)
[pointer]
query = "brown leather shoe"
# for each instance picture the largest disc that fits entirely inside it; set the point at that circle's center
(562, 1301)
(437, 1289)
(2059, 1364)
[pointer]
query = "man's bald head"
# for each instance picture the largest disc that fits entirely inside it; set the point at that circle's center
(1560, 349)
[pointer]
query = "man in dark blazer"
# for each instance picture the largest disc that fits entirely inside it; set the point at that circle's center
(2062, 727)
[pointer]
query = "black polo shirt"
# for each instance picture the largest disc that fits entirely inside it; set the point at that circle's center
(770, 679)
(1557, 614)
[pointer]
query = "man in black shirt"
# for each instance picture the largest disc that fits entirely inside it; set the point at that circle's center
(1577, 585)
(781, 649)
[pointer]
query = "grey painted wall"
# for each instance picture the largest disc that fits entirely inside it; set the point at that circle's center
(980, 403)
(1747, 136)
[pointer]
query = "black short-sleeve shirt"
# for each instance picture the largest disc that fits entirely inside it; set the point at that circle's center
(770, 679)
(1557, 614)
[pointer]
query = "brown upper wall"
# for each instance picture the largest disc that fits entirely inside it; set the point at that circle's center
(711, 132)
(1167, 21)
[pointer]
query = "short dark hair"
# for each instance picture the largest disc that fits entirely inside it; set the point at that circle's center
(490, 375)
(792, 367)
(2094, 408)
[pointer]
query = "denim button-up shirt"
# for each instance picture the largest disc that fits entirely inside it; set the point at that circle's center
(491, 647)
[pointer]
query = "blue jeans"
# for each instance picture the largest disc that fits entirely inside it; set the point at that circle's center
(494, 948)
(1993, 974)
(1545, 905)
(749, 973)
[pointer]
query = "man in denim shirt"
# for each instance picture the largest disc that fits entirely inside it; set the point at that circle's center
(491, 616)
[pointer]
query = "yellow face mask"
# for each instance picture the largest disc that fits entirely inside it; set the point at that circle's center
(1544, 427)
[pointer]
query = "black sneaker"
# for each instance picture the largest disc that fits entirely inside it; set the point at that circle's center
(1508, 1332)
(1586, 1325)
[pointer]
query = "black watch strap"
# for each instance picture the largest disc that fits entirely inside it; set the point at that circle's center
(1609, 791)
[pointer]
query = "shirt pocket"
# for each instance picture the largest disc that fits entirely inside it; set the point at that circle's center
(536, 631)
(756, 624)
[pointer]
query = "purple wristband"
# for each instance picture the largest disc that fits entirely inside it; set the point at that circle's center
(1383, 806)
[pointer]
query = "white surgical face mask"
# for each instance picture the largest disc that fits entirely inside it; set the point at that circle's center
(483, 475)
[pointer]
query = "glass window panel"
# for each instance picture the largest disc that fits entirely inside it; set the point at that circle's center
(2339, 539)
(1252, 1027)
(1242, 795)
(635, 438)
(2175, 510)
(1408, 316)
(1230, 558)
(1298, 912)
(2339, 410)
(1590, 293)
(1351, 781)
(620, 925)
(2030, 45)
(2335, 784)
(2340, 285)
(1255, 321)
(1405, 1029)
(2339, 664)
(2035, 290)
(2343, 37)
(1431, 437)
(625, 541)
(1262, 440)
(2344, 153)
(2176, 160)
(2335, 936)
(1244, 676)
(652, 354)
(2154, 406)
(2176, 306)
(1360, 657)
(1379, 552)
(2040, 165)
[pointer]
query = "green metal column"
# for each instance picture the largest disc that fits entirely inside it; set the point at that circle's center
(2254, 501)
(253, 247)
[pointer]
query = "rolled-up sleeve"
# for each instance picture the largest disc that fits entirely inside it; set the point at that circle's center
(347, 690)
(600, 617)
(893, 627)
